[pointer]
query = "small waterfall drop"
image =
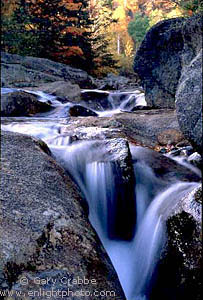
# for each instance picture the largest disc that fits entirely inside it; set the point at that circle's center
(126, 101)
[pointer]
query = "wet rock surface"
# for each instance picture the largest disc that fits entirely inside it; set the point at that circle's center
(117, 152)
(44, 230)
(105, 167)
(92, 132)
(81, 111)
(183, 254)
(165, 168)
(97, 100)
(20, 103)
(142, 128)
(196, 159)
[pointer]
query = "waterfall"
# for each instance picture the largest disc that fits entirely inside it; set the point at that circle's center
(118, 102)
(134, 261)
(100, 181)
(151, 236)
(126, 100)
(133, 256)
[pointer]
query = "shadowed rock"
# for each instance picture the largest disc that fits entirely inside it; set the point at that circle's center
(95, 99)
(81, 111)
(21, 104)
(166, 49)
(182, 258)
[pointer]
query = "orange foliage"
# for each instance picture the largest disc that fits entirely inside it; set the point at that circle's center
(73, 30)
(73, 19)
(67, 53)
(72, 6)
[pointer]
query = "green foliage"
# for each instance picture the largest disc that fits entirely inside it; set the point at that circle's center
(138, 28)
(17, 35)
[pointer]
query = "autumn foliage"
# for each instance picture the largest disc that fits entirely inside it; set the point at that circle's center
(99, 36)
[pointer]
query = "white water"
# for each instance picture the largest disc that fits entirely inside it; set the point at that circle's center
(122, 101)
(135, 260)
(151, 236)
(128, 102)
(183, 161)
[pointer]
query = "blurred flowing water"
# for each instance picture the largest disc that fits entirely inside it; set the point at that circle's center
(134, 260)
(117, 101)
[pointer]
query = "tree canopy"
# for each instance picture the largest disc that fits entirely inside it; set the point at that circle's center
(99, 36)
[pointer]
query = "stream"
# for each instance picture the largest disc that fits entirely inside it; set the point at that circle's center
(153, 199)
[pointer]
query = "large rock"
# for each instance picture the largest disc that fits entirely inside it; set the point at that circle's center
(179, 271)
(115, 82)
(189, 102)
(65, 90)
(96, 99)
(20, 71)
(79, 110)
(166, 48)
(20, 103)
(121, 206)
(44, 231)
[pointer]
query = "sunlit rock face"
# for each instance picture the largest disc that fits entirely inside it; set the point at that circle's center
(166, 49)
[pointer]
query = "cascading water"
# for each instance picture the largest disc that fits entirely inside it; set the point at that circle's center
(134, 259)
(123, 101)
(118, 101)
(151, 236)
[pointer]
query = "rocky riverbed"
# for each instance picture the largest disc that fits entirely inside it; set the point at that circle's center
(73, 147)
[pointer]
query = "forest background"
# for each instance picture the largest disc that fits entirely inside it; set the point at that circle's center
(98, 36)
